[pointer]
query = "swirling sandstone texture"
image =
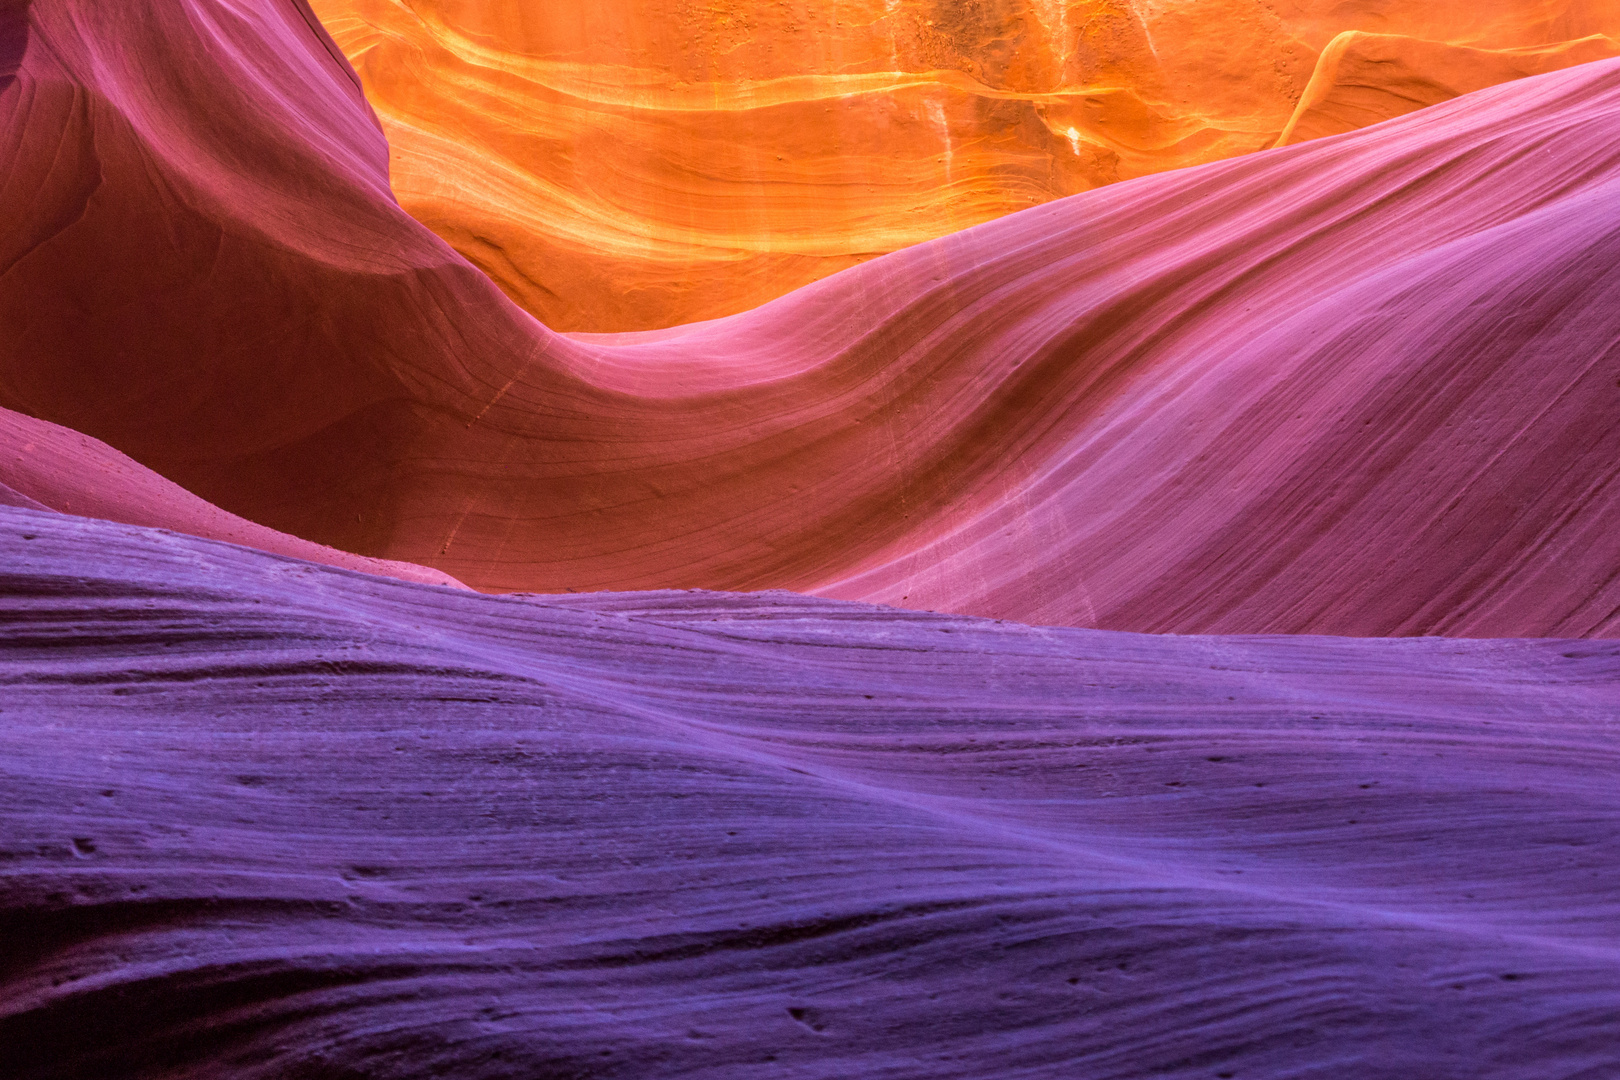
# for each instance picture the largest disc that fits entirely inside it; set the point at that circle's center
(1363, 385)
(1363, 79)
(631, 164)
(269, 819)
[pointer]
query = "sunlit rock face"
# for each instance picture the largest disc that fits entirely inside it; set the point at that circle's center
(634, 164)
(263, 819)
(1362, 78)
(1360, 385)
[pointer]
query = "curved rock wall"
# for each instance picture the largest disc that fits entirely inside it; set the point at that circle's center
(632, 164)
(45, 466)
(264, 819)
(1360, 385)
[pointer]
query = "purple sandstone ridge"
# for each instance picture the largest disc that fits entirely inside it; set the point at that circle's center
(264, 818)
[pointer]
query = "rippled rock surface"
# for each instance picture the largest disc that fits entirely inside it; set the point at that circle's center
(264, 818)
(269, 819)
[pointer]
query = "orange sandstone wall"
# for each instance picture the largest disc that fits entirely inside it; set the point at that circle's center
(634, 164)
(1363, 78)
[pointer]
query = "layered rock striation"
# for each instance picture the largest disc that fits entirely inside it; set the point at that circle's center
(1363, 79)
(45, 466)
(1361, 385)
(270, 819)
(634, 164)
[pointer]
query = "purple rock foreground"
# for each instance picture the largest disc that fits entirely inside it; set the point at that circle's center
(263, 818)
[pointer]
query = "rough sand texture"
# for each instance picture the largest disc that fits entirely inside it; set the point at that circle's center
(269, 819)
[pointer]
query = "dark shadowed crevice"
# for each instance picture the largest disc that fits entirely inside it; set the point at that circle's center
(13, 39)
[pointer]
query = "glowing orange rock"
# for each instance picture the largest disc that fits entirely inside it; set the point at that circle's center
(633, 164)
(1363, 79)
(1361, 385)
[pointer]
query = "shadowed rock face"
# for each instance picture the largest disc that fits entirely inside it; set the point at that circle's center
(13, 38)
(631, 164)
(269, 819)
(1364, 385)
(47, 467)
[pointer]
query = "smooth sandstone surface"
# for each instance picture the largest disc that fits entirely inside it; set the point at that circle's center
(632, 164)
(1358, 386)
(270, 819)
(1362, 385)
(45, 466)
(266, 818)
(1364, 79)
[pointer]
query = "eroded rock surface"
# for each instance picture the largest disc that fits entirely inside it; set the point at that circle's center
(269, 819)
(631, 164)
(1362, 385)
(46, 466)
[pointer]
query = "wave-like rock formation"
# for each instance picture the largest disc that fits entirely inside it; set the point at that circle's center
(1364, 79)
(1362, 385)
(270, 819)
(632, 164)
(45, 466)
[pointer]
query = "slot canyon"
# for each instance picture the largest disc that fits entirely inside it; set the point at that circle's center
(996, 539)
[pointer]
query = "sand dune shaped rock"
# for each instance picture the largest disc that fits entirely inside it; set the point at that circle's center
(266, 818)
(1360, 385)
(48, 467)
(269, 819)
